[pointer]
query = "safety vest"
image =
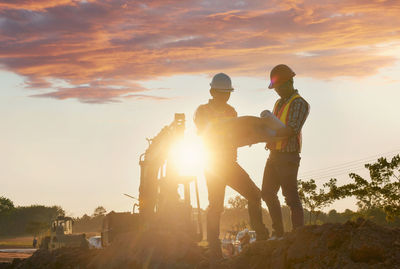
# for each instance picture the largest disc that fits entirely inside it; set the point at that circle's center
(282, 114)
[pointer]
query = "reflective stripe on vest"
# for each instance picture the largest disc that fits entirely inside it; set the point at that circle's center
(282, 114)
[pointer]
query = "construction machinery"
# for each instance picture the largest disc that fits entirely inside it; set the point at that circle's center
(61, 235)
(116, 224)
(161, 208)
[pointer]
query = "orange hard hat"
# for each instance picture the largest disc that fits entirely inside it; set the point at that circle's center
(280, 74)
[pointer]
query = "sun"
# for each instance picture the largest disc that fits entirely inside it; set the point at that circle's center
(189, 155)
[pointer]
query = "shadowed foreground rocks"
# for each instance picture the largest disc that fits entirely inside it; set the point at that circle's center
(360, 244)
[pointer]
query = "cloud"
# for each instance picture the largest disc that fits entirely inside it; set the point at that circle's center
(32, 5)
(117, 42)
(145, 96)
(97, 93)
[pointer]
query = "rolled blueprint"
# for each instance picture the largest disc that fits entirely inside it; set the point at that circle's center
(242, 131)
(272, 121)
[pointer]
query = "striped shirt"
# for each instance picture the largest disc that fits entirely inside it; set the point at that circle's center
(297, 115)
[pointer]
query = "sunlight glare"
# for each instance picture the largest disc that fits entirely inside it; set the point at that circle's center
(189, 155)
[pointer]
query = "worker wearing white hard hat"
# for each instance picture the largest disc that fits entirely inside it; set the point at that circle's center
(222, 83)
(222, 169)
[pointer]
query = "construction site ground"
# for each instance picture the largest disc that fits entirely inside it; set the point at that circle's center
(355, 244)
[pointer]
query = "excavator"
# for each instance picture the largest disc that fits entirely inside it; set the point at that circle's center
(160, 207)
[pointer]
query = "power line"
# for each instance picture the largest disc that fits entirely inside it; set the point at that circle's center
(328, 173)
(329, 176)
(344, 168)
(355, 161)
(334, 173)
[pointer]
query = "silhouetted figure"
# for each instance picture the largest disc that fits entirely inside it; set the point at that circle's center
(34, 243)
(283, 162)
(222, 168)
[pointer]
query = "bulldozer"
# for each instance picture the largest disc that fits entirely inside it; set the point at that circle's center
(160, 207)
(61, 235)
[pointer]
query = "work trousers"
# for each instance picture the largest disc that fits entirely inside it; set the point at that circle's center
(281, 172)
(229, 173)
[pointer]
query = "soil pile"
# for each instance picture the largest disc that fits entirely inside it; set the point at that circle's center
(151, 250)
(144, 250)
(60, 258)
(360, 244)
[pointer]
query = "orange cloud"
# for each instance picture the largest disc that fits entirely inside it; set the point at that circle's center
(33, 4)
(101, 47)
(97, 95)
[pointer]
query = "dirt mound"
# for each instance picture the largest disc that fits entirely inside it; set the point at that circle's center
(145, 250)
(151, 250)
(360, 244)
(60, 258)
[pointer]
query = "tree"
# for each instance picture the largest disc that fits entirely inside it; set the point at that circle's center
(383, 188)
(23, 219)
(5, 204)
(99, 211)
(36, 227)
(238, 202)
(312, 200)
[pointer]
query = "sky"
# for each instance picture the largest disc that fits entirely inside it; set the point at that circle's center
(85, 82)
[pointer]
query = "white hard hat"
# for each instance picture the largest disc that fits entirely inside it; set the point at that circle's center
(222, 83)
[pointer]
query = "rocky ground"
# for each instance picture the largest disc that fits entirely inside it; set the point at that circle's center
(359, 244)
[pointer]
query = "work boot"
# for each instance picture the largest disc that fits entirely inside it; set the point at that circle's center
(276, 236)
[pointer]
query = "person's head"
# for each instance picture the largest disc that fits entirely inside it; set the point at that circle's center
(220, 97)
(221, 88)
(282, 79)
(285, 89)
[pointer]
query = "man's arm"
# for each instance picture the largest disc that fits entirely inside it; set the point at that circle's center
(298, 113)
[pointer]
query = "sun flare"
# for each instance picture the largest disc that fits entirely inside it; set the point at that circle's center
(189, 155)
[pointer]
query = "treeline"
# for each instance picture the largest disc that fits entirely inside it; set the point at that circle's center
(93, 223)
(22, 220)
(377, 215)
(237, 218)
(378, 199)
(380, 193)
(35, 220)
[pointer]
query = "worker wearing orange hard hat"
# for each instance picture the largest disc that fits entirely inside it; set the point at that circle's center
(283, 163)
(222, 169)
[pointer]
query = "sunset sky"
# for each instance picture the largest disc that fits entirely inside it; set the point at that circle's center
(85, 82)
